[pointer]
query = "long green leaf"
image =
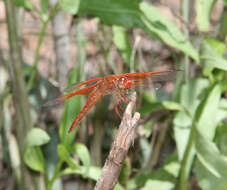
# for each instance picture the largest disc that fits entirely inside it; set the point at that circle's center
(207, 180)
(156, 24)
(204, 10)
(131, 13)
(65, 156)
(189, 98)
(34, 159)
(206, 113)
(122, 42)
(158, 184)
(210, 157)
(70, 6)
(72, 108)
(210, 57)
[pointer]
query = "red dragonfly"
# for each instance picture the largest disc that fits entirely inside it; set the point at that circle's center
(113, 84)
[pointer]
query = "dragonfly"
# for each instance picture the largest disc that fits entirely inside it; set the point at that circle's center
(117, 85)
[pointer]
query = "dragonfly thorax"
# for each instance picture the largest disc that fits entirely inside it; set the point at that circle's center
(124, 83)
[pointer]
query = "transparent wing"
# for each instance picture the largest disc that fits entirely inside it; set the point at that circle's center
(77, 85)
(152, 76)
(156, 79)
(153, 82)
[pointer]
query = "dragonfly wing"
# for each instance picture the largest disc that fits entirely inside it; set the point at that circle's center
(79, 84)
(155, 80)
(162, 77)
(60, 99)
(153, 76)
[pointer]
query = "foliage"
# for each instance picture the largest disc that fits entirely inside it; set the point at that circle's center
(198, 110)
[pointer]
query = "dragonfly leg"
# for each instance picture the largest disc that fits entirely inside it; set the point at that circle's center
(117, 111)
(120, 93)
(121, 107)
(125, 99)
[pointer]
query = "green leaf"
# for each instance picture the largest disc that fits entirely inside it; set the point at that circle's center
(118, 12)
(221, 138)
(164, 174)
(206, 151)
(145, 151)
(210, 157)
(168, 105)
(207, 180)
(173, 168)
(148, 128)
(122, 42)
(157, 184)
(223, 104)
(70, 6)
(82, 152)
(225, 2)
(53, 164)
(44, 7)
(119, 187)
(33, 158)
(223, 23)
(128, 13)
(206, 114)
(24, 3)
(65, 156)
(125, 172)
(93, 173)
(72, 108)
(204, 10)
(156, 24)
(189, 98)
(210, 58)
(219, 46)
(36, 137)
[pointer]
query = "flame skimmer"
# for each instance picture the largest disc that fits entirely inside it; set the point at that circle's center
(112, 84)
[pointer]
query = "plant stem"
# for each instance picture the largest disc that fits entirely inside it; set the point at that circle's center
(40, 41)
(182, 177)
(158, 145)
(55, 176)
(185, 7)
(26, 180)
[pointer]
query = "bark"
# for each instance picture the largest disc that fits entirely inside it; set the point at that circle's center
(123, 140)
(25, 180)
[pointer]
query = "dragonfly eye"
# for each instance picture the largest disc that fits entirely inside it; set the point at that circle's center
(121, 83)
(124, 83)
(127, 83)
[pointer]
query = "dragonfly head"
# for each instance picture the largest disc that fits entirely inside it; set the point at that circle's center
(124, 83)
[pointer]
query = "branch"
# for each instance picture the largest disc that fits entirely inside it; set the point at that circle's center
(120, 147)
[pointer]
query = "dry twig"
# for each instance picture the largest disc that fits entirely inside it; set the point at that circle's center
(123, 140)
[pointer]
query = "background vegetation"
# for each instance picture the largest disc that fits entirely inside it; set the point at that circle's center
(48, 45)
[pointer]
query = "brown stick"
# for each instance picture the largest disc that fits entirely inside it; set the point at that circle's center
(123, 140)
